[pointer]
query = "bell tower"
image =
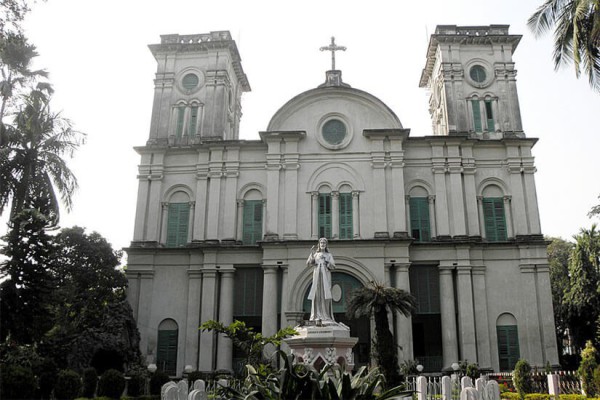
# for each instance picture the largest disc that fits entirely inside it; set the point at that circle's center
(471, 78)
(198, 89)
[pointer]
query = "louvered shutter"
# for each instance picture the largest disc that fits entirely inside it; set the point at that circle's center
(346, 216)
(494, 219)
(508, 346)
(166, 355)
(325, 215)
(476, 115)
(419, 219)
(252, 221)
(177, 224)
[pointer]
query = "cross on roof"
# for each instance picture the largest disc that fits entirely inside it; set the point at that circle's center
(333, 48)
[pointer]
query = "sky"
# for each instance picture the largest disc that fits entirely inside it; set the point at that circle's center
(102, 71)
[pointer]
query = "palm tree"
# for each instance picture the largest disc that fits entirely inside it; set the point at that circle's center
(376, 300)
(576, 25)
(34, 168)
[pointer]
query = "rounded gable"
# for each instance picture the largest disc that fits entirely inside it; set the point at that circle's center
(310, 110)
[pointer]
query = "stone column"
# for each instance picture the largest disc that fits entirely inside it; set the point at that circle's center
(465, 314)
(441, 202)
(398, 205)
(214, 201)
(315, 214)
(509, 223)
(532, 204)
(273, 167)
(284, 302)
(379, 206)
(200, 212)
(531, 324)
(404, 324)
(335, 214)
(269, 311)
(190, 351)
(481, 218)
(457, 203)
(431, 203)
(240, 220)
(547, 313)
(291, 166)
(192, 205)
(225, 346)
(232, 166)
(355, 215)
(162, 226)
(448, 311)
(141, 209)
(209, 298)
(153, 227)
(482, 329)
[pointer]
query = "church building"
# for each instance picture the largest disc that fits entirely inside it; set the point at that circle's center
(224, 226)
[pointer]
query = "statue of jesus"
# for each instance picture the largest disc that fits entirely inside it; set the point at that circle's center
(320, 293)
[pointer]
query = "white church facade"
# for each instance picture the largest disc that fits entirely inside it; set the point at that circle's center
(224, 226)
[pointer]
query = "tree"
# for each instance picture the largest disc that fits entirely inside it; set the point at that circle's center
(34, 168)
(582, 299)
(576, 25)
(558, 258)
(376, 300)
(28, 281)
(90, 311)
(251, 343)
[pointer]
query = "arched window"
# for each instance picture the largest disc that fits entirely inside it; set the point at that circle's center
(166, 354)
(494, 218)
(335, 213)
(252, 219)
(507, 332)
(178, 219)
(420, 223)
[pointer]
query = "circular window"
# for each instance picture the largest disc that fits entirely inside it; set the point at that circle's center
(190, 81)
(477, 73)
(334, 131)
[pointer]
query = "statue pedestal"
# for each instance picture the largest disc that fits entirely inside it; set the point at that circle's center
(321, 345)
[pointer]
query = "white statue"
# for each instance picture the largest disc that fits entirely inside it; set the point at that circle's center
(322, 262)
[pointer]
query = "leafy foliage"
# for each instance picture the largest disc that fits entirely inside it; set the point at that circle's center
(299, 381)
(157, 379)
(17, 382)
(558, 258)
(522, 378)
(582, 298)
(576, 25)
(32, 159)
(252, 343)
(586, 370)
(111, 384)
(68, 385)
(90, 382)
(24, 295)
(375, 300)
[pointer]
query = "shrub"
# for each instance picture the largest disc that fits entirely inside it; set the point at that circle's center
(47, 376)
(537, 396)
(135, 386)
(17, 382)
(111, 384)
(157, 379)
(586, 370)
(90, 382)
(68, 385)
(522, 378)
(510, 396)
(472, 371)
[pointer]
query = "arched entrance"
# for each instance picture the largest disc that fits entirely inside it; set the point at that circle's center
(342, 286)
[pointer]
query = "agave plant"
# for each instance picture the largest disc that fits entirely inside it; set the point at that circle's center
(299, 381)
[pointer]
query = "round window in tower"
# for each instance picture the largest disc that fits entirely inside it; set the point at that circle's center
(190, 81)
(334, 131)
(477, 73)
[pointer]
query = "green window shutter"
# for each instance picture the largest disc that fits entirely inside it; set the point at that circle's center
(193, 121)
(325, 215)
(346, 216)
(180, 121)
(425, 286)
(177, 224)
(420, 225)
(489, 115)
(508, 346)
(476, 115)
(494, 219)
(248, 293)
(166, 354)
(252, 221)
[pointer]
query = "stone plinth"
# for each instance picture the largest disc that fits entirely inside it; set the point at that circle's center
(319, 346)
